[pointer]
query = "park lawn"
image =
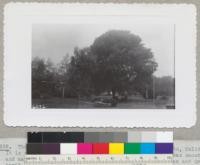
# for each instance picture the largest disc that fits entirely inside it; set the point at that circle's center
(70, 103)
(60, 103)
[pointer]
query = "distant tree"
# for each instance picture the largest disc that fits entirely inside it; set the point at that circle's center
(63, 66)
(64, 88)
(165, 86)
(80, 72)
(43, 78)
(38, 73)
(122, 62)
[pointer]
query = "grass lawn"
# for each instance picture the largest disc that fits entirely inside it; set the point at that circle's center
(68, 103)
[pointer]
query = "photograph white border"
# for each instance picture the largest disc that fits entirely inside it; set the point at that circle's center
(18, 20)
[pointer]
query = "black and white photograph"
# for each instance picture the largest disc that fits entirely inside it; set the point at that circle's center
(120, 66)
(100, 65)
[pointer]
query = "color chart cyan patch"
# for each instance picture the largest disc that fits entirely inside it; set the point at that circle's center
(100, 143)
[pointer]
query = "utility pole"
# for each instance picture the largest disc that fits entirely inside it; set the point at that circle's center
(63, 89)
(153, 85)
(146, 92)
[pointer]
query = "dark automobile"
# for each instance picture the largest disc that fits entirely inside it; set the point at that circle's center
(104, 101)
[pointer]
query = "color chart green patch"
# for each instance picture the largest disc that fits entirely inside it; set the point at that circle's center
(132, 148)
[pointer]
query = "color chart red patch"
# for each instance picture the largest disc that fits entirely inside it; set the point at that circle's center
(100, 148)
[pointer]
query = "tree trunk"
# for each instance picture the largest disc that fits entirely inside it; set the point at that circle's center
(63, 92)
(113, 93)
(146, 93)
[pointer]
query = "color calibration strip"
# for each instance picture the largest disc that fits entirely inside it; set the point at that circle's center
(100, 148)
(100, 143)
(98, 137)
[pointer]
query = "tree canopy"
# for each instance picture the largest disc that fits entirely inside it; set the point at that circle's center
(43, 78)
(117, 62)
(122, 62)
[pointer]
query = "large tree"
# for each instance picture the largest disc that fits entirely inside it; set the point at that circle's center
(122, 62)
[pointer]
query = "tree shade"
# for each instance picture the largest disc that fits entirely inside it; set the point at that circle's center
(122, 63)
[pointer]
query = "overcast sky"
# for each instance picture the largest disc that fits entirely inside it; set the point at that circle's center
(54, 41)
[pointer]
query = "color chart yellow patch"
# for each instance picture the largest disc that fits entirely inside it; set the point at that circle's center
(116, 148)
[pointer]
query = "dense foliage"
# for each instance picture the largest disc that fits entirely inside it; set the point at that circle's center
(117, 62)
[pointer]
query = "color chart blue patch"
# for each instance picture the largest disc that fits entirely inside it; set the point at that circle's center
(147, 148)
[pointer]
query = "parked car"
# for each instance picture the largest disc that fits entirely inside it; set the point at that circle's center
(102, 101)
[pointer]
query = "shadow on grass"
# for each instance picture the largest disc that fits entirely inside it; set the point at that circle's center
(71, 103)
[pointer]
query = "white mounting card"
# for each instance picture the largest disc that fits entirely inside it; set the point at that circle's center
(50, 31)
